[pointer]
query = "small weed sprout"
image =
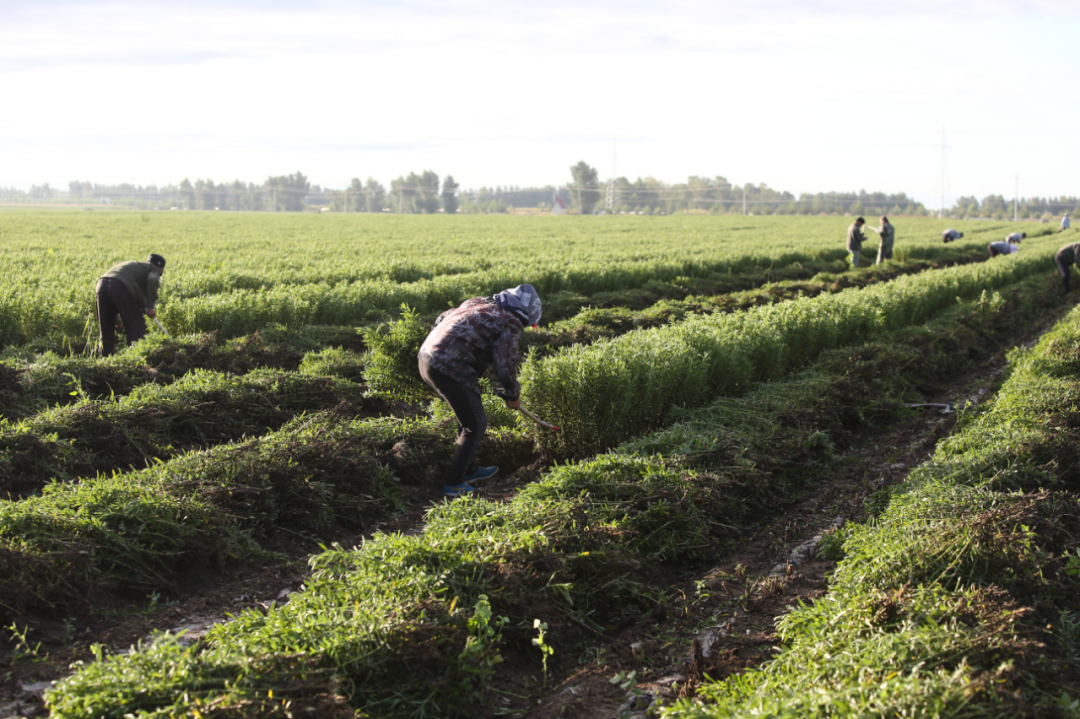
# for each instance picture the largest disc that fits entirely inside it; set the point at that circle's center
(545, 648)
(22, 650)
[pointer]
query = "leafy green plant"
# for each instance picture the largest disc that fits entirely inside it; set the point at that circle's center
(390, 364)
(546, 649)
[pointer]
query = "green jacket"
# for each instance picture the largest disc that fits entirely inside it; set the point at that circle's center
(888, 234)
(1067, 254)
(141, 278)
(855, 237)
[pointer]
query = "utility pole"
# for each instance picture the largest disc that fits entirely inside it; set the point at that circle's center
(580, 207)
(744, 199)
(609, 199)
(943, 170)
(1016, 200)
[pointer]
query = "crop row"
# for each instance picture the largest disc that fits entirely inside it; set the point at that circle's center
(609, 391)
(31, 382)
(408, 625)
(612, 314)
(156, 422)
(139, 531)
(52, 294)
(961, 597)
(38, 381)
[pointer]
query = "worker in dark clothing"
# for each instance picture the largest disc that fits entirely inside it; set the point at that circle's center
(466, 340)
(855, 238)
(129, 289)
(1002, 248)
(1066, 258)
(951, 235)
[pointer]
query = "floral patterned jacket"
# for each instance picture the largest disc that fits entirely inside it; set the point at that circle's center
(470, 338)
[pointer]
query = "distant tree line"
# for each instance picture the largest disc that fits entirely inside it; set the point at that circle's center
(1028, 208)
(585, 192)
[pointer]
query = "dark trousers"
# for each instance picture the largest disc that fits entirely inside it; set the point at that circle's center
(113, 297)
(472, 420)
(993, 252)
(1063, 268)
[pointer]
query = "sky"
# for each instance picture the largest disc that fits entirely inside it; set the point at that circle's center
(806, 96)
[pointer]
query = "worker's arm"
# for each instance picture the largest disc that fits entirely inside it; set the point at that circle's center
(504, 356)
(153, 281)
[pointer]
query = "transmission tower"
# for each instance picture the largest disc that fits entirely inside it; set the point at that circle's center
(612, 197)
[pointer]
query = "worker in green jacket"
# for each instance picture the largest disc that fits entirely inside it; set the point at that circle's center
(1066, 258)
(130, 290)
(887, 234)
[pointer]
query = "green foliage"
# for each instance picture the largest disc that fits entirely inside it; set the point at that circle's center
(156, 422)
(391, 365)
(610, 391)
(932, 612)
(237, 273)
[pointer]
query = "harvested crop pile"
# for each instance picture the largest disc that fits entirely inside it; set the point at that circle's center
(157, 422)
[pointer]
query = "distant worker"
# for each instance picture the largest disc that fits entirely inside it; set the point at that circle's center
(1002, 248)
(1066, 258)
(887, 234)
(855, 238)
(465, 341)
(951, 235)
(129, 289)
(1065, 224)
(1016, 237)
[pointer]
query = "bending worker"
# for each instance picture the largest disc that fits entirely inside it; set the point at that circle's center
(1065, 222)
(855, 238)
(950, 235)
(464, 343)
(1016, 237)
(1002, 248)
(1066, 258)
(129, 289)
(887, 235)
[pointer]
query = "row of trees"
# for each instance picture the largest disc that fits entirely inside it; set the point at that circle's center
(998, 207)
(426, 192)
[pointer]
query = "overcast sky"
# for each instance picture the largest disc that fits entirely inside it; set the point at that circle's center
(807, 96)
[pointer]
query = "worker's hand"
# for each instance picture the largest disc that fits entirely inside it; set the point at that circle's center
(151, 313)
(513, 404)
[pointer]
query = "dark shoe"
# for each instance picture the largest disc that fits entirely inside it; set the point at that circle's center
(481, 473)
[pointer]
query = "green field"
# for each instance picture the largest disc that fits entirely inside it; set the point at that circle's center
(707, 372)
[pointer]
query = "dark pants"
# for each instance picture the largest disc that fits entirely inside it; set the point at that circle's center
(113, 297)
(993, 252)
(1063, 268)
(469, 411)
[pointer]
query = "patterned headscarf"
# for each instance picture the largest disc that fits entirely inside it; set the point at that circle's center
(523, 301)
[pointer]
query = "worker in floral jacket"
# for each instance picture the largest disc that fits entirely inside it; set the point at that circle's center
(466, 340)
